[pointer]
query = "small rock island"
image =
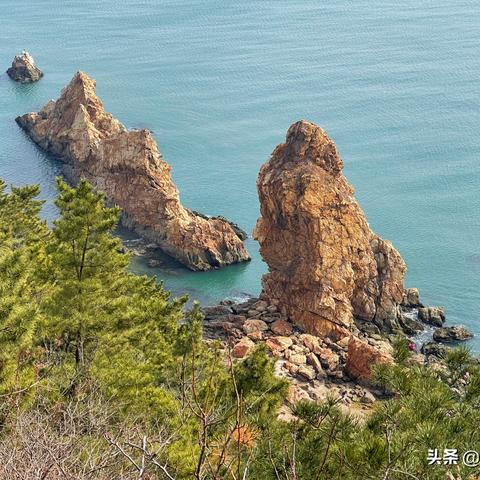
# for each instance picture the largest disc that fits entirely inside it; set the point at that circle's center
(24, 69)
(128, 167)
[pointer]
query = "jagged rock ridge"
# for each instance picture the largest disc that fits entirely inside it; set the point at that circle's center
(326, 267)
(23, 69)
(128, 167)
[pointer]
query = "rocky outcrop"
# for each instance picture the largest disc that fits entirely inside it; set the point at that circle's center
(432, 315)
(411, 298)
(325, 264)
(23, 69)
(455, 333)
(128, 167)
(434, 349)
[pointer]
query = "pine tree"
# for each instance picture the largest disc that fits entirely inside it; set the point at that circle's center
(22, 236)
(86, 271)
(112, 327)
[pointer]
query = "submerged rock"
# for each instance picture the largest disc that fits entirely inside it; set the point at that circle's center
(455, 333)
(325, 264)
(23, 69)
(128, 167)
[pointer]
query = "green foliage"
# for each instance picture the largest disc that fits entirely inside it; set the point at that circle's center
(22, 239)
(261, 390)
(121, 380)
(401, 352)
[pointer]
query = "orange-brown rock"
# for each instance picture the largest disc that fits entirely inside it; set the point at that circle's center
(325, 264)
(128, 167)
(242, 348)
(361, 357)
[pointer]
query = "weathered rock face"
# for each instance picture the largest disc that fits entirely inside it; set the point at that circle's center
(23, 69)
(325, 264)
(128, 167)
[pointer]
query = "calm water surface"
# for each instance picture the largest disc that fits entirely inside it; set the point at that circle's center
(395, 84)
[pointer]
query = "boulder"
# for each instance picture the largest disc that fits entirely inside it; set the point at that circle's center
(409, 325)
(411, 298)
(254, 325)
(290, 367)
(455, 333)
(216, 311)
(278, 343)
(242, 348)
(297, 359)
(261, 306)
(244, 307)
(328, 358)
(366, 327)
(281, 327)
(255, 336)
(23, 69)
(325, 264)
(307, 372)
(361, 357)
(311, 342)
(368, 397)
(313, 360)
(128, 167)
(432, 315)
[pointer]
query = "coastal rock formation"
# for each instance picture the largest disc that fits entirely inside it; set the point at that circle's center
(432, 315)
(325, 264)
(23, 69)
(128, 167)
(315, 367)
(455, 333)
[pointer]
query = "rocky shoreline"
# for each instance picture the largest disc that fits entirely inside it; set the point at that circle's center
(333, 300)
(316, 367)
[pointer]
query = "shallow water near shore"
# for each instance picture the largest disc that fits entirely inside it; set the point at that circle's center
(395, 84)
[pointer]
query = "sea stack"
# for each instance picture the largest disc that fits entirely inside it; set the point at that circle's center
(23, 69)
(128, 167)
(326, 267)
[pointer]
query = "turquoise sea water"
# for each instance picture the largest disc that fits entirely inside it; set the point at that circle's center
(395, 84)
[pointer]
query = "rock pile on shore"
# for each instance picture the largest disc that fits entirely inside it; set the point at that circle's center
(316, 366)
(24, 69)
(128, 167)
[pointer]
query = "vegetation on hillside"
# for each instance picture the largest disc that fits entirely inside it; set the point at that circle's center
(104, 376)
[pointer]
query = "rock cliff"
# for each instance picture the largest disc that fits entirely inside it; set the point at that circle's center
(23, 69)
(128, 167)
(326, 267)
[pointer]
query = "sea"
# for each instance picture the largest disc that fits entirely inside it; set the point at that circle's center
(396, 84)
